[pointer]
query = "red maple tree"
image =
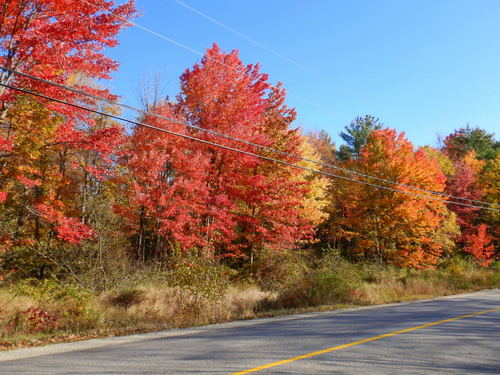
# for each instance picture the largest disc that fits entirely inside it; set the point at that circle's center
(167, 191)
(251, 202)
(222, 202)
(42, 143)
(480, 244)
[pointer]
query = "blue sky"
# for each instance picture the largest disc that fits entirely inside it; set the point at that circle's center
(425, 67)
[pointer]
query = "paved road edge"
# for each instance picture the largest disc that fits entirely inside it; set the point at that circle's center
(22, 353)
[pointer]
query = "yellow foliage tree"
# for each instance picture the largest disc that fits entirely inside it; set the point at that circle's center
(445, 163)
(315, 200)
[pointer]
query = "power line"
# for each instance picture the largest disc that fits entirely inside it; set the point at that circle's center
(291, 61)
(269, 49)
(179, 44)
(289, 92)
(263, 46)
(285, 58)
(470, 148)
(240, 140)
(102, 113)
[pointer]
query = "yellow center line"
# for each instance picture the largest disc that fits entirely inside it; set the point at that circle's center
(324, 351)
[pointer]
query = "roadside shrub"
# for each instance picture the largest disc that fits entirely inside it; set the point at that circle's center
(205, 278)
(494, 278)
(275, 270)
(14, 312)
(334, 280)
(381, 274)
(191, 290)
(126, 298)
(39, 320)
(456, 265)
(72, 306)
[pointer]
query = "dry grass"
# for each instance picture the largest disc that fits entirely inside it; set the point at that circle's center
(141, 309)
(180, 307)
(32, 314)
(398, 291)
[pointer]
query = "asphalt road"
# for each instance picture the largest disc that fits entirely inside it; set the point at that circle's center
(440, 336)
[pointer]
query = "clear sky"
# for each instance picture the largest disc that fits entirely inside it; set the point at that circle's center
(425, 67)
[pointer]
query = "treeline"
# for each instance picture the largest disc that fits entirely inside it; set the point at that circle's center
(79, 193)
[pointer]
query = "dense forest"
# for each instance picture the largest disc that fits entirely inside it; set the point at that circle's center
(216, 182)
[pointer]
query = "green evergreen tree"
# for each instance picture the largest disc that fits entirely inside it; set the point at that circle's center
(355, 136)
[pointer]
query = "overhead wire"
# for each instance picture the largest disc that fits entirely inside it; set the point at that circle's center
(325, 165)
(271, 50)
(186, 136)
(468, 148)
(199, 53)
(162, 36)
(278, 54)
(215, 133)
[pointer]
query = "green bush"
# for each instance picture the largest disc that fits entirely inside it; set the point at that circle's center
(72, 305)
(205, 278)
(382, 274)
(276, 270)
(333, 280)
(494, 278)
(457, 265)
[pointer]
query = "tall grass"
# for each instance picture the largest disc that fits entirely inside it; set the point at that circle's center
(203, 292)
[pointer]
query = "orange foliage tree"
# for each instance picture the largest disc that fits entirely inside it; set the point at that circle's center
(381, 224)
